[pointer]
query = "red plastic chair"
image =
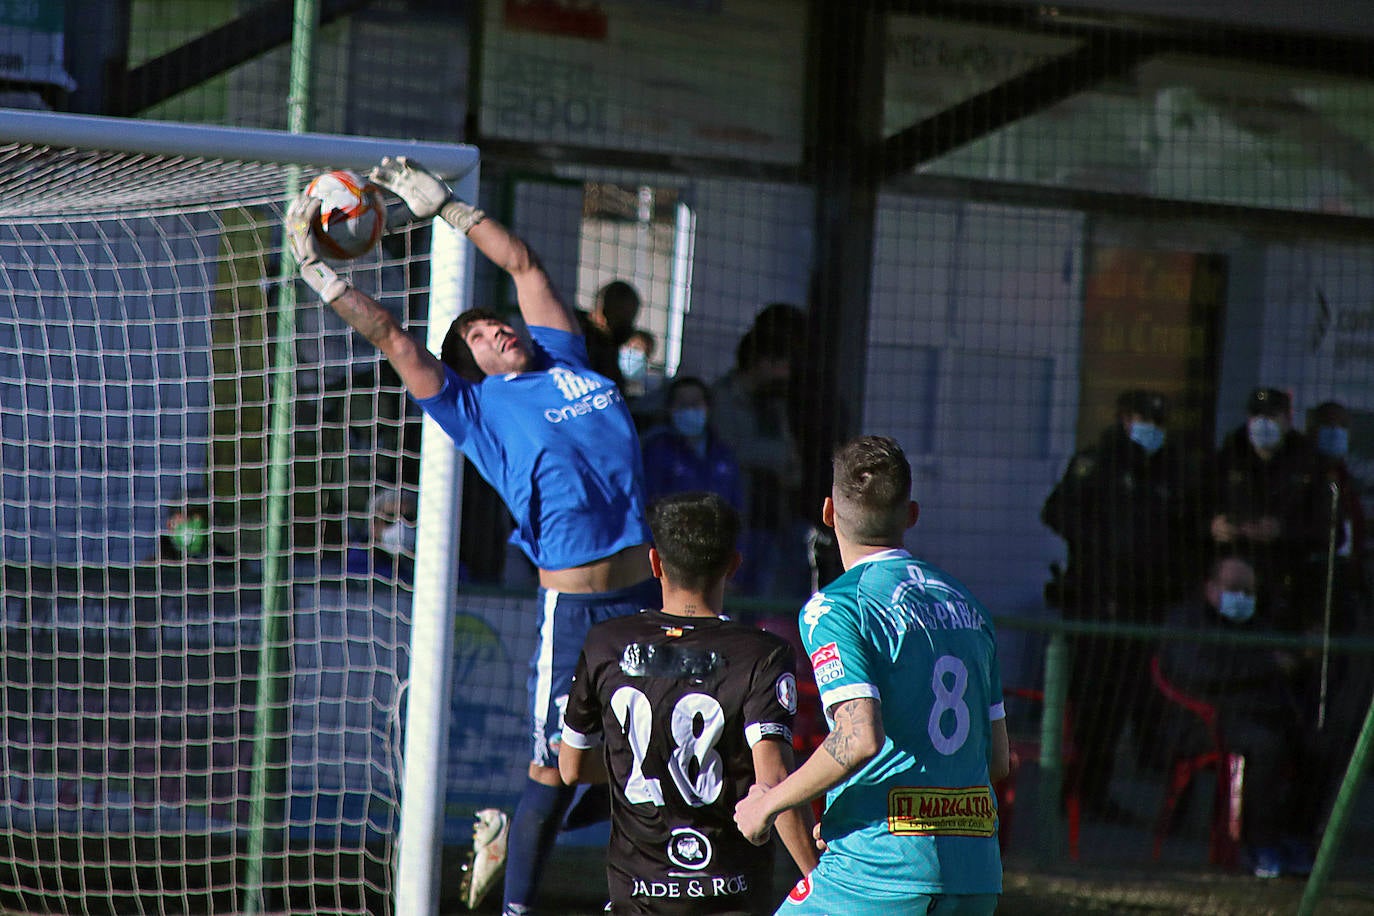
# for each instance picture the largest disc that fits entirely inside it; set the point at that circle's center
(1224, 843)
(1025, 749)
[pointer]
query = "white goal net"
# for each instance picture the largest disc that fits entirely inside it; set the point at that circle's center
(158, 757)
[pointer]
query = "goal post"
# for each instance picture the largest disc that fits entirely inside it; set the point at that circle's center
(138, 277)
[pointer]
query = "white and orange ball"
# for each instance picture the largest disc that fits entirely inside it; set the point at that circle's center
(352, 214)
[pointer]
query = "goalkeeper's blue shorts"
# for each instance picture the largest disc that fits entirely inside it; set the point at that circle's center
(564, 619)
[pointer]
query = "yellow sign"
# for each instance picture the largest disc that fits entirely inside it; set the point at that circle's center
(930, 811)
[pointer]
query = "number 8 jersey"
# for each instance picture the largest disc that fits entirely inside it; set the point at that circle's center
(920, 817)
(680, 702)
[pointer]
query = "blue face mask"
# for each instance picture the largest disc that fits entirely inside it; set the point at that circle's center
(689, 421)
(633, 363)
(1265, 433)
(1333, 441)
(1147, 435)
(1237, 607)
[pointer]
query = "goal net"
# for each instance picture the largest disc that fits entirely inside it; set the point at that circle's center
(206, 638)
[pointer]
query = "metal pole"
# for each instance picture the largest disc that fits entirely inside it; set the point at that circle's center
(430, 679)
(1340, 817)
(1052, 745)
(1326, 607)
(269, 778)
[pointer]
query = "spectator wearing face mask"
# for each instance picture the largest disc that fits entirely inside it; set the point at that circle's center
(684, 454)
(636, 355)
(1328, 429)
(1271, 506)
(1128, 512)
(607, 327)
(187, 536)
(1338, 694)
(389, 550)
(1259, 717)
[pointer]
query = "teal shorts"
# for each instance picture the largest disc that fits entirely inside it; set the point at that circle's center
(816, 898)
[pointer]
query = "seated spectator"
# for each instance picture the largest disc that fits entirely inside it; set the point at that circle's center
(685, 454)
(636, 354)
(388, 550)
(1259, 718)
(187, 535)
(643, 384)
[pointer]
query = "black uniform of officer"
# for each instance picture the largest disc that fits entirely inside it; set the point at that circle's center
(1271, 505)
(1128, 509)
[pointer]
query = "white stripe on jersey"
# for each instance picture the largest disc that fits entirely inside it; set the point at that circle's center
(574, 738)
(831, 698)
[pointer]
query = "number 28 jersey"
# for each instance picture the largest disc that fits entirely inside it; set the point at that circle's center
(679, 703)
(920, 817)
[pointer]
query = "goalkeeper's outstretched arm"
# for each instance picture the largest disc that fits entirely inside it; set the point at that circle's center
(420, 370)
(427, 196)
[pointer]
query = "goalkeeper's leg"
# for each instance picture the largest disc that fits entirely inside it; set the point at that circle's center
(533, 831)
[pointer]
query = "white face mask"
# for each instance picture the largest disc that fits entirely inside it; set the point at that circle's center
(398, 537)
(1237, 607)
(1147, 435)
(1265, 432)
(634, 364)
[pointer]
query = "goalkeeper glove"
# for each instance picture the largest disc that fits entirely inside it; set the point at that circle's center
(303, 214)
(425, 193)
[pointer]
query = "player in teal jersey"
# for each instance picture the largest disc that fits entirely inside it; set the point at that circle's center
(906, 662)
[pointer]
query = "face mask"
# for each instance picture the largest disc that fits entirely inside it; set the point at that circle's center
(690, 421)
(1237, 607)
(1265, 433)
(398, 537)
(190, 537)
(1147, 435)
(1333, 441)
(633, 363)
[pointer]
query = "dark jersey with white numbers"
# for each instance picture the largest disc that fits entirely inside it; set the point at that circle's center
(679, 703)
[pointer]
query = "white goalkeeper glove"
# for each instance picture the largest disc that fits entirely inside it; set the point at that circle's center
(424, 193)
(304, 213)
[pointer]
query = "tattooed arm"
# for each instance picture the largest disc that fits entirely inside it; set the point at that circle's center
(419, 369)
(856, 738)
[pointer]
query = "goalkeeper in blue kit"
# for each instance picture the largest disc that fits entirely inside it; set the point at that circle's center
(556, 440)
(906, 662)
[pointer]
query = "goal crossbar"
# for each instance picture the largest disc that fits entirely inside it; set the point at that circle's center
(451, 161)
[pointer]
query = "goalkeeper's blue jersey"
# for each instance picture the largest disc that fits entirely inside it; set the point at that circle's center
(921, 817)
(559, 445)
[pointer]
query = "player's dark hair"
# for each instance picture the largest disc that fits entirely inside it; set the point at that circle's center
(694, 534)
(872, 489)
(455, 353)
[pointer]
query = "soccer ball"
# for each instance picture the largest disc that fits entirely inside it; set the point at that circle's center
(352, 214)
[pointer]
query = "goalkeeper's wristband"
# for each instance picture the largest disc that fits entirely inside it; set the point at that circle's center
(461, 216)
(322, 279)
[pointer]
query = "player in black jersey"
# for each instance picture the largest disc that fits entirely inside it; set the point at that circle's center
(692, 708)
